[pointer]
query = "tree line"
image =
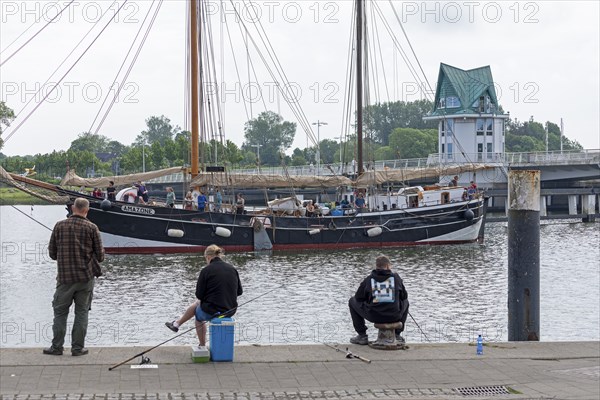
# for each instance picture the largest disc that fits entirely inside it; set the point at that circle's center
(393, 130)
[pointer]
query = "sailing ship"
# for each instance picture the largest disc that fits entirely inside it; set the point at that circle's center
(408, 216)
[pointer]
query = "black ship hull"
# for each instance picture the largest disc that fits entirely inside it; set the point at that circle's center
(130, 228)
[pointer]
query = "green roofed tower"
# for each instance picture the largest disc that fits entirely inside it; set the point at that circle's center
(471, 127)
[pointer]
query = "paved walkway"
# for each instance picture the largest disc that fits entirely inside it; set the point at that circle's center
(425, 371)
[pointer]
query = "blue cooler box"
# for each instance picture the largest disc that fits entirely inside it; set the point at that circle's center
(221, 339)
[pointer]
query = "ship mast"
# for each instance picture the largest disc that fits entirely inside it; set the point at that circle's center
(359, 84)
(194, 83)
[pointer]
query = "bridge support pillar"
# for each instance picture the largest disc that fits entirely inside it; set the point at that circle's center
(588, 207)
(572, 204)
(543, 211)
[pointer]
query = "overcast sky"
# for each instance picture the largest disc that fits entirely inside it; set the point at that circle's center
(544, 57)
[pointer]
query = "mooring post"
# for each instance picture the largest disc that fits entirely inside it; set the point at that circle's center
(524, 255)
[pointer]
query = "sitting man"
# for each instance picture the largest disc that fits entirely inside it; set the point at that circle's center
(380, 298)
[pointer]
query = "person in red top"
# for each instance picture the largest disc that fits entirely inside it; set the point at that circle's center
(76, 245)
(97, 193)
(472, 189)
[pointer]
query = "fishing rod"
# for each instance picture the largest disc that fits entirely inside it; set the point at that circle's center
(31, 218)
(349, 354)
(423, 333)
(145, 360)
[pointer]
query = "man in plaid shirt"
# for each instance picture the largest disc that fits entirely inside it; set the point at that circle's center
(76, 246)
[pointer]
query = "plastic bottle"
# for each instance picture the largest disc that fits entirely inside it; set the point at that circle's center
(479, 345)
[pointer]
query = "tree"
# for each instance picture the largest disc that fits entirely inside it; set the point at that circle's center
(91, 142)
(159, 130)
(115, 147)
(329, 149)
(385, 153)
(530, 136)
(298, 157)
(382, 118)
(270, 132)
(233, 154)
(522, 143)
(131, 161)
(413, 143)
(6, 117)
(156, 156)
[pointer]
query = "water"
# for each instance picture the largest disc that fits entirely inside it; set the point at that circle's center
(456, 292)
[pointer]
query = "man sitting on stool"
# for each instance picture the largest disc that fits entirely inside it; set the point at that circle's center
(380, 298)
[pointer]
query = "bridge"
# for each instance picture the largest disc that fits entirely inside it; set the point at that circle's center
(570, 179)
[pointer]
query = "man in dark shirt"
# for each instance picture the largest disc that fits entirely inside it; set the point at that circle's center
(76, 246)
(217, 289)
(142, 193)
(110, 191)
(380, 298)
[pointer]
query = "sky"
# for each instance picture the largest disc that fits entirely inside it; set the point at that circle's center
(544, 57)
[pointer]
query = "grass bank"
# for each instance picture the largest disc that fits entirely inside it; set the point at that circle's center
(11, 197)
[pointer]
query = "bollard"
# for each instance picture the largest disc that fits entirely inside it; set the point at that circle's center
(524, 256)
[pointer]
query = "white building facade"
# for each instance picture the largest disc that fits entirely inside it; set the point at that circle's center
(471, 127)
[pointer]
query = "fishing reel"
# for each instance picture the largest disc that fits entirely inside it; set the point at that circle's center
(145, 360)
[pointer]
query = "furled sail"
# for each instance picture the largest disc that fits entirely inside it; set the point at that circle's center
(326, 181)
(408, 174)
(72, 179)
(268, 181)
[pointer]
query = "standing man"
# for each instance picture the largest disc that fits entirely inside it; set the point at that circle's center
(380, 298)
(219, 201)
(201, 201)
(110, 191)
(240, 204)
(76, 246)
(454, 181)
(359, 202)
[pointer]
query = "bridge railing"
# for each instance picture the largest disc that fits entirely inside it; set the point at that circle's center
(575, 157)
(524, 158)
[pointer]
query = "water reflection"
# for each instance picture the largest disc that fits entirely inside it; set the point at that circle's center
(456, 292)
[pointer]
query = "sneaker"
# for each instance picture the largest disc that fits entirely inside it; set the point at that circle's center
(360, 339)
(171, 326)
(79, 352)
(400, 339)
(53, 352)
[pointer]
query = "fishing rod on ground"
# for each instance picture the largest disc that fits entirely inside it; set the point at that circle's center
(349, 354)
(145, 360)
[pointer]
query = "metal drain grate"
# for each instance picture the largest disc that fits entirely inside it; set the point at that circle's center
(483, 390)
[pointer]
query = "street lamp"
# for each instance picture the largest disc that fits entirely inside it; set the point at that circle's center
(258, 146)
(144, 155)
(318, 124)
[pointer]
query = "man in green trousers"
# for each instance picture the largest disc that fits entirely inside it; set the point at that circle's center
(77, 247)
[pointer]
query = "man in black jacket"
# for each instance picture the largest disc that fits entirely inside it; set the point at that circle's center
(380, 298)
(217, 290)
